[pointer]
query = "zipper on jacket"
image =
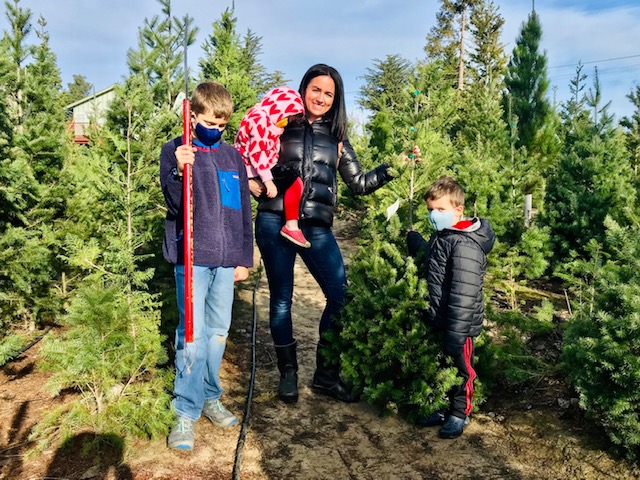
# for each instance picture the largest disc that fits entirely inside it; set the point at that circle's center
(306, 165)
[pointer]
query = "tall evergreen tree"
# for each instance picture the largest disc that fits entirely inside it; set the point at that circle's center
(447, 41)
(156, 64)
(44, 123)
(533, 123)
(164, 37)
(111, 349)
(385, 94)
(234, 63)
(19, 52)
(527, 84)
(29, 269)
(487, 56)
(631, 127)
(9, 196)
(77, 89)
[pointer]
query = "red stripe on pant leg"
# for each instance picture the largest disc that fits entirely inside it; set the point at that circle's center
(468, 353)
(292, 197)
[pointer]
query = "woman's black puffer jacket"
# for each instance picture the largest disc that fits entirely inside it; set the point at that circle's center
(311, 152)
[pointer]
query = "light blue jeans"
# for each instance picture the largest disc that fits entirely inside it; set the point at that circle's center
(198, 362)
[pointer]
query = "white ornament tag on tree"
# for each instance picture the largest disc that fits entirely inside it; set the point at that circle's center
(392, 209)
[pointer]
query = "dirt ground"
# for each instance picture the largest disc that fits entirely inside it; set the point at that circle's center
(514, 436)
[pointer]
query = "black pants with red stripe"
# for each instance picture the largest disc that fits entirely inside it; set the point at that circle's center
(461, 396)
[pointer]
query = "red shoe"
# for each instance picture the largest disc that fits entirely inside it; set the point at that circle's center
(295, 236)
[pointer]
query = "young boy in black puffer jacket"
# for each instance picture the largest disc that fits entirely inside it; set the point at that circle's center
(455, 261)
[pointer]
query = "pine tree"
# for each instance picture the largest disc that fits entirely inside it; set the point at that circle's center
(631, 127)
(157, 62)
(77, 89)
(388, 352)
(111, 350)
(527, 83)
(234, 63)
(10, 198)
(446, 41)
(479, 135)
(164, 37)
(28, 244)
(602, 345)
(384, 93)
(487, 56)
(593, 179)
(44, 124)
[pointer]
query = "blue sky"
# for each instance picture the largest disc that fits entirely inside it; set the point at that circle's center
(91, 37)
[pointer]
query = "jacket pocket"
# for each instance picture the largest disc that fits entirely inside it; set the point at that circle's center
(229, 182)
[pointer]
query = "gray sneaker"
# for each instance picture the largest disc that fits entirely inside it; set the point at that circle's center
(218, 414)
(181, 436)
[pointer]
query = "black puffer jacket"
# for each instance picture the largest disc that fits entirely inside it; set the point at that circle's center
(454, 262)
(311, 152)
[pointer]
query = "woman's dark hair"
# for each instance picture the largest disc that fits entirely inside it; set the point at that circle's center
(337, 115)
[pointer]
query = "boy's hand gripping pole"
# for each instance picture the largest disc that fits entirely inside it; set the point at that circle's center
(187, 194)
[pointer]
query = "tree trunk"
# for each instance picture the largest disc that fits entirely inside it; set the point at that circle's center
(528, 207)
(463, 22)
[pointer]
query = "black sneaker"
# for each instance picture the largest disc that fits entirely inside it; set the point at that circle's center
(435, 419)
(453, 427)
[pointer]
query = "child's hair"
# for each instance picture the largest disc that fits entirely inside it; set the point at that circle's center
(213, 98)
(446, 186)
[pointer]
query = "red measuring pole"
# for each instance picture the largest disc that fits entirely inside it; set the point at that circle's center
(187, 195)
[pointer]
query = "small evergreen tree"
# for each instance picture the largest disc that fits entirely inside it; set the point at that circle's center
(388, 352)
(593, 179)
(602, 345)
(112, 348)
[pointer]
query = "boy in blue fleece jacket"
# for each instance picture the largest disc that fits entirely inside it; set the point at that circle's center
(222, 255)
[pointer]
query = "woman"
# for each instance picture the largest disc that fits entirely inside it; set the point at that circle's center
(309, 149)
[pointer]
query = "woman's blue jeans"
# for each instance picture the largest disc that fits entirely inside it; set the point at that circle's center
(198, 362)
(323, 259)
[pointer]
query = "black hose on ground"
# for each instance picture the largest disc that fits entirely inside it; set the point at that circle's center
(245, 421)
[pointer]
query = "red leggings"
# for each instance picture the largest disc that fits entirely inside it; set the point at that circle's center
(292, 197)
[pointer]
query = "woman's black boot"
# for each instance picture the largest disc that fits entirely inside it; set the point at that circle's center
(288, 366)
(326, 380)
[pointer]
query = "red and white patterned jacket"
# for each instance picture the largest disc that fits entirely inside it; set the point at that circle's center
(258, 139)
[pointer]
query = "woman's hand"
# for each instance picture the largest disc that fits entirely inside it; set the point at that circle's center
(256, 187)
(185, 154)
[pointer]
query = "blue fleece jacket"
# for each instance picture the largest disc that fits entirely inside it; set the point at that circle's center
(222, 224)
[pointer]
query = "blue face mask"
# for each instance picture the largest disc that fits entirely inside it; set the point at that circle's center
(441, 220)
(208, 136)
